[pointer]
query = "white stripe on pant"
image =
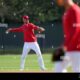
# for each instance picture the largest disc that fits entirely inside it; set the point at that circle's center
(35, 47)
(71, 59)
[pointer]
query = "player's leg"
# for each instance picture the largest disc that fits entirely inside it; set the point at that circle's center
(58, 67)
(75, 58)
(36, 48)
(24, 54)
(61, 66)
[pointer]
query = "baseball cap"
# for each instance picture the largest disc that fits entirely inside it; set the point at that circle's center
(25, 17)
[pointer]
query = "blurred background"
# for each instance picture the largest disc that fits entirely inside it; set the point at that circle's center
(44, 13)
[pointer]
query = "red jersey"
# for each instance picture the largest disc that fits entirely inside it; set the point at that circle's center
(71, 27)
(28, 30)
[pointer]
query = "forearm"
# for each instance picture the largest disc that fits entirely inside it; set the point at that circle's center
(16, 30)
(40, 29)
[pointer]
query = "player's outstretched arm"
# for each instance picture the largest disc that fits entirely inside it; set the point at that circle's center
(14, 30)
(8, 30)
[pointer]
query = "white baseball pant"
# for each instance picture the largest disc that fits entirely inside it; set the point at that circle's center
(35, 47)
(71, 59)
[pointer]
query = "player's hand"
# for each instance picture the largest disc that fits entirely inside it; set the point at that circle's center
(65, 48)
(41, 30)
(7, 31)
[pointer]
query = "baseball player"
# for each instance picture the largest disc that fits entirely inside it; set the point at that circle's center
(71, 27)
(30, 41)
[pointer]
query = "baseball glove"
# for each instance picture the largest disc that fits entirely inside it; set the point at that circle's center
(58, 54)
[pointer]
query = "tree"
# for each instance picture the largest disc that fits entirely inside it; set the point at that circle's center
(40, 10)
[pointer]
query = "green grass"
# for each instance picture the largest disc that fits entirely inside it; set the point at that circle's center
(11, 63)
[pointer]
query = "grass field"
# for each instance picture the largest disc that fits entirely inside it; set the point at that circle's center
(11, 63)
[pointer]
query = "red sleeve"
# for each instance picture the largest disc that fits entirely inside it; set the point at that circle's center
(74, 40)
(77, 27)
(20, 29)
(34, 27)
(68, 21)
(76, 22)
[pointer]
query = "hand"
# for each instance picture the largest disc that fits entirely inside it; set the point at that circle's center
(41, 29)
(7, 31)
(65, 48)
